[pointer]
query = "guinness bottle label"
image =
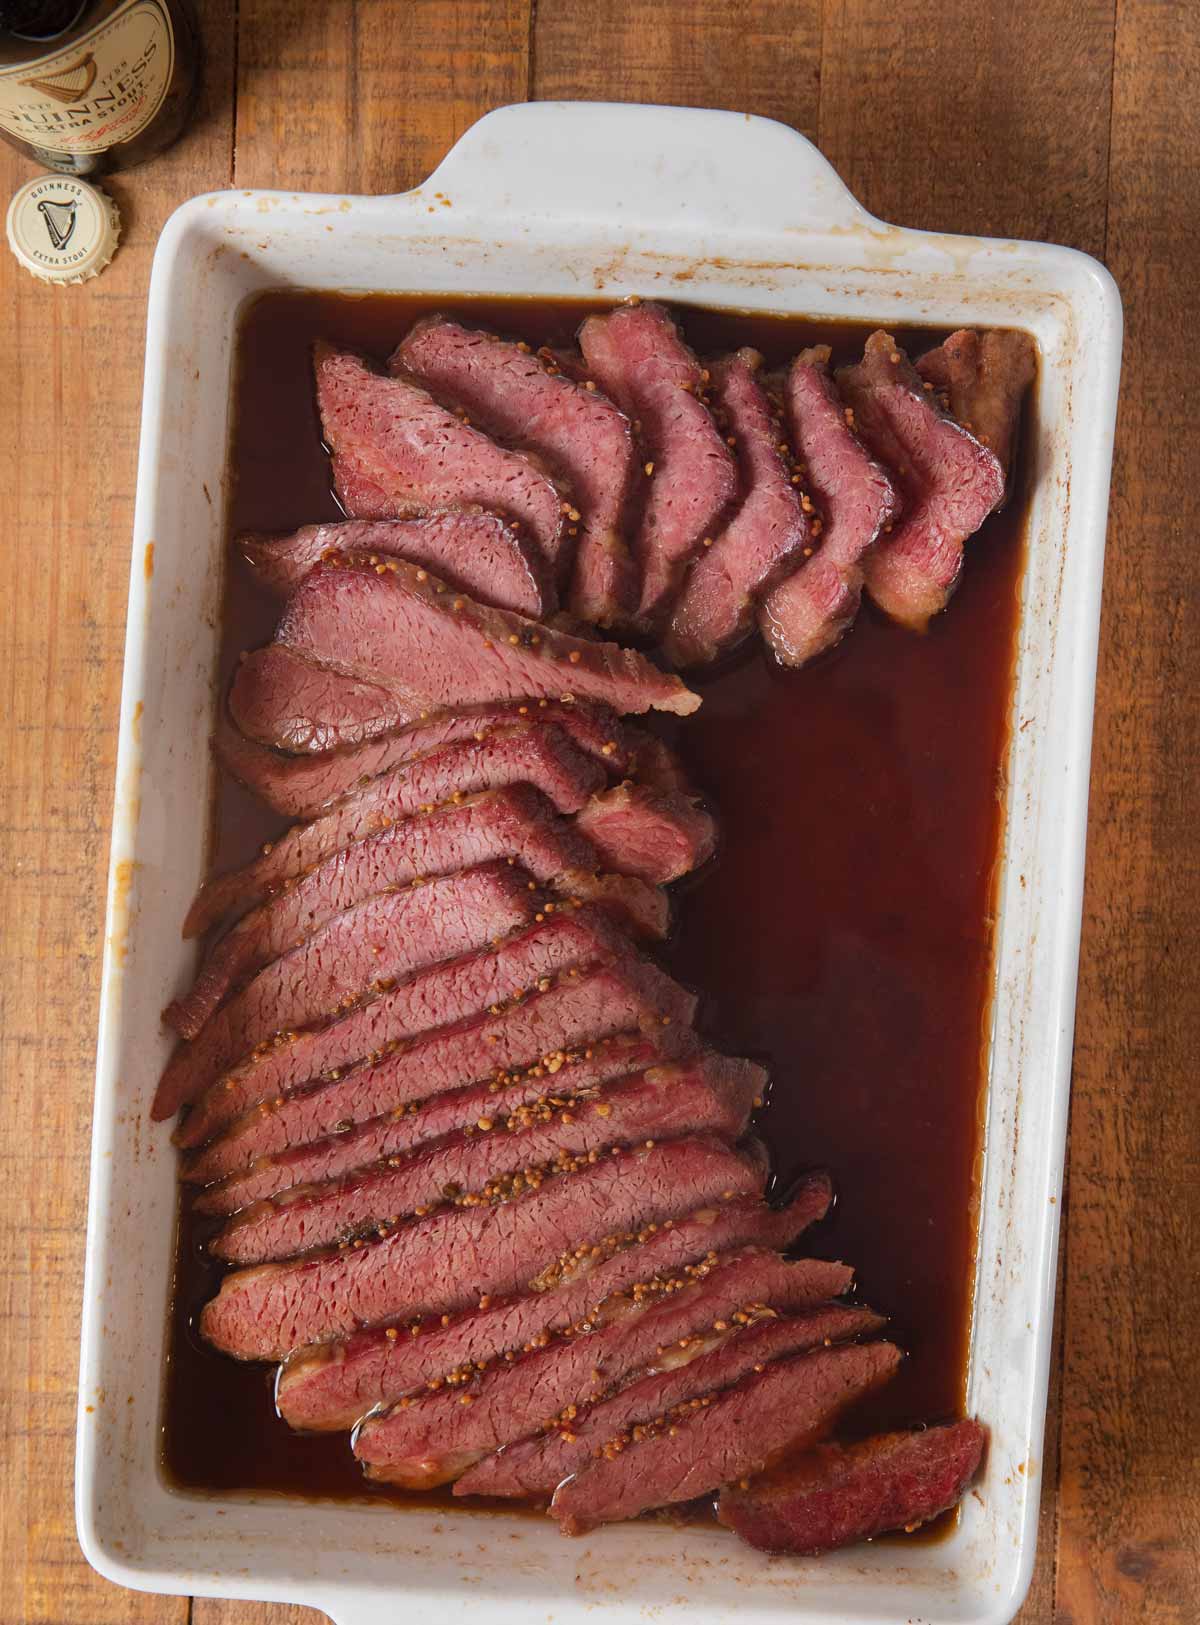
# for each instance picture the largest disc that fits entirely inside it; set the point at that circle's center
(102, 90)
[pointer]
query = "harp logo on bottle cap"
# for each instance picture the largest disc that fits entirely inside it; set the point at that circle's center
(61, 229)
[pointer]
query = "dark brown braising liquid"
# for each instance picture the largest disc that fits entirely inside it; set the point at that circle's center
(843, 935)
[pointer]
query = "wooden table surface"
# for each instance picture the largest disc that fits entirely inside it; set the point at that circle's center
(1076, 121)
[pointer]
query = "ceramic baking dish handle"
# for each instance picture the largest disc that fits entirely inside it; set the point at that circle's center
(649, 166)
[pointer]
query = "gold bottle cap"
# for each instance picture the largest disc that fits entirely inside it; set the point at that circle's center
(62, 229)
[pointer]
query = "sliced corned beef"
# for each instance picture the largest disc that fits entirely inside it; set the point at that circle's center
(714, 1439)
(471, 552)
(539, 1030)
(397, 454)
(983, 379)
(422, 1121)
(641, 906)
(332, 1385)
(429, 998)
(533, 1468)
(428, 1439)
(950, 483)
(353, 956)
(712, 1095)
(767, 536)
(653, 762)
(657, 834)
(814, 607)
(303, 786)
(281, 699)
(637, 357)
(452, 1258)
(389, 626)
(516, 822)
(837, 1493)
(527, 400)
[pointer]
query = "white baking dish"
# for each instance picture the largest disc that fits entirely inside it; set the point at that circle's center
(579, 199)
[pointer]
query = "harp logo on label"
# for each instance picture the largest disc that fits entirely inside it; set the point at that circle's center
(59, 216)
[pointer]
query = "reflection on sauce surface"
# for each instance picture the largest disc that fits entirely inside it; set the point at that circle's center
(843, 934)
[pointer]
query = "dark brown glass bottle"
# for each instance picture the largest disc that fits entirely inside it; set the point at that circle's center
(88, 86)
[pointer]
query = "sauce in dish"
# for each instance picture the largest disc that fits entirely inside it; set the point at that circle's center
(843, 935)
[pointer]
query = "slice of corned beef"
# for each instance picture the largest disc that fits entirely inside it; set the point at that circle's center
(950, 483)
(714, 1439)
(354, 956)
(654, 763)
(982, 379)
(637, 357)
(332, 1385)
(543, 757)
(855, 500)
(656, 834)
(397, 454)
(533, 1468)
(450, 1259)
(433, 1438)
(396, 626)
(578, 1073)
(304, 786)
(385, 862)
(838, 1494)
(433, 997)
(516, 822)
(711, 1095)
(527, 400)
(471, 552)
(281, 699)
(767, 536)
(542, 1029)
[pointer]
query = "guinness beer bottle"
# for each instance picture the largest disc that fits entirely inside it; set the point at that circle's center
(88, 86)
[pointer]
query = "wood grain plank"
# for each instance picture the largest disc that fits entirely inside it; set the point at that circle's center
(1129, 1519)
(71, 360)
(962, 117)
(208, 1611)
(368, 95)
(711, 53)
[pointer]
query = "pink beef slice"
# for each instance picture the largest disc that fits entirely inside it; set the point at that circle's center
(541, 1030)
(983, 379)
(447, 1261)
(398, 454)
(712, 1095)
(281, 699)
(717, 1438)
(526, 399)
(838, 1494)
(332, 1385)
(766, 538)
(433, 1438)
(654, 763)
(432, 997)
(579, 1073)
(420, 639)
(381, 862)
(950, 483)
(516, 822)
(637, 357)
(471, 552)
(355, 955)
(540, 756)
(534, 1467)
(655, 834)
(302, 787)
(815, 606)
